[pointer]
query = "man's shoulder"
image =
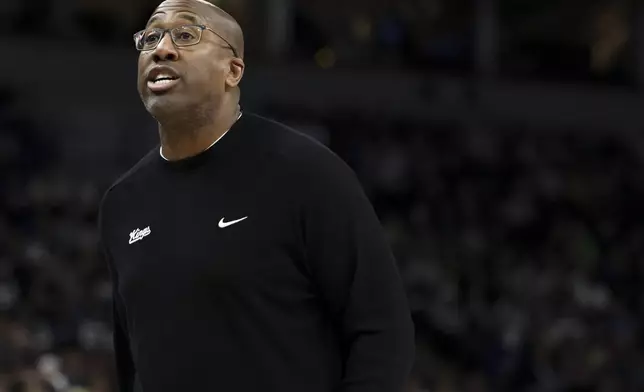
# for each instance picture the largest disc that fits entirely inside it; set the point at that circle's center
(301, 157)
(273, 133)
(132, 173)
(292, 146)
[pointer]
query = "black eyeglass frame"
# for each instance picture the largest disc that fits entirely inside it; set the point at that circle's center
(138, 35)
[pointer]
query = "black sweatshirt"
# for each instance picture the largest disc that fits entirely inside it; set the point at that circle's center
(258, 265)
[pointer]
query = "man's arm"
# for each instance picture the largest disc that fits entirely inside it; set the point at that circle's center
(125, 371)
(355, 270)
(124, 365)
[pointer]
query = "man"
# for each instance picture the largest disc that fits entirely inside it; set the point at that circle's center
(244, 256)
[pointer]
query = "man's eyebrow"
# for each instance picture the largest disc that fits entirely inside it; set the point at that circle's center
(190, 17)
(154, 18)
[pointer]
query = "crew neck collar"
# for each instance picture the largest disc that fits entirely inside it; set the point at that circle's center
(207, 148)
(221, 147)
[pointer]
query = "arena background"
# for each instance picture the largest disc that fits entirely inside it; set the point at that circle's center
(499, 140)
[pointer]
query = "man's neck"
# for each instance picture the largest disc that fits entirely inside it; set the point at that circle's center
(180, 141)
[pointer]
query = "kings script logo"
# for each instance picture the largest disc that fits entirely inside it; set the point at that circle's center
(138, 234)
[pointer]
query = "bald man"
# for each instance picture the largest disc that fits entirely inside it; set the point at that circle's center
(244, 256)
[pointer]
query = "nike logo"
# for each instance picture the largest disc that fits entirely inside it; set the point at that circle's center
(223, 224)
(138, 234)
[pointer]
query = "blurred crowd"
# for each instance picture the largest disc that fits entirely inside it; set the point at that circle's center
(520, 248)
(54, 291)
(520, 251)
(575, 39)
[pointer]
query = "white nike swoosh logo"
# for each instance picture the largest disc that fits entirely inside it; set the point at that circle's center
(223, 224)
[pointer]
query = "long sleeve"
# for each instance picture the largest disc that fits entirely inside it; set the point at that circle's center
(357, 275)
(125, 371)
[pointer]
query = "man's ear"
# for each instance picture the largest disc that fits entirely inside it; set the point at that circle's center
(236, 72)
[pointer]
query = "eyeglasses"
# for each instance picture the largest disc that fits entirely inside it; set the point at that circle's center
(186, 35)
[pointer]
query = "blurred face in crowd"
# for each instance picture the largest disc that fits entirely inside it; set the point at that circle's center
(177, 74)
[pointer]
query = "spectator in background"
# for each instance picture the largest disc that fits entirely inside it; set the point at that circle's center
(610, 39)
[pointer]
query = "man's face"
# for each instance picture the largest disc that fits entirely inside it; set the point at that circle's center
(198, 72)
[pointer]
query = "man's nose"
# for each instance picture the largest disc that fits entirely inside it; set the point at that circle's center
(166, 51)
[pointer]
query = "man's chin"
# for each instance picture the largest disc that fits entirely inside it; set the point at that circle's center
(162, 106)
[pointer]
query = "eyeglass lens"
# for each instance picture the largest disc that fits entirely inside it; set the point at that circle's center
(181, 36)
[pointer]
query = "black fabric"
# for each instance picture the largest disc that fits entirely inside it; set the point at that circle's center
(302, 294)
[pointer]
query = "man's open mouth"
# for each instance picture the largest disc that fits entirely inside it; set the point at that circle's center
(162, 83)
(163, 79)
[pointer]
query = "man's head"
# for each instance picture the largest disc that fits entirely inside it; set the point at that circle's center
(192, 66)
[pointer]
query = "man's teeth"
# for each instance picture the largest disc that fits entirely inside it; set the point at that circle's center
(163, 81)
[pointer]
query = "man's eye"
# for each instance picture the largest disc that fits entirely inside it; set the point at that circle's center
(151, 38)
(186, 36)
